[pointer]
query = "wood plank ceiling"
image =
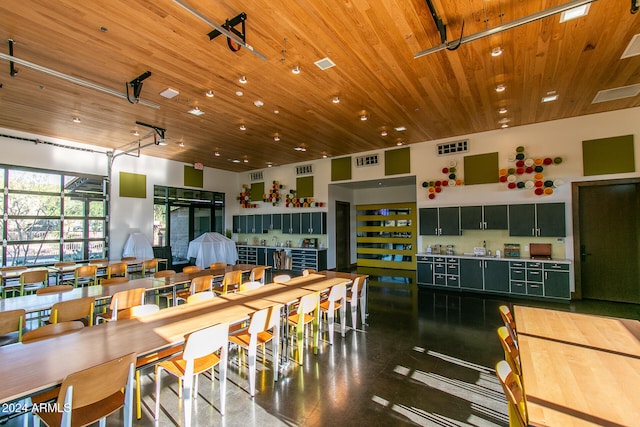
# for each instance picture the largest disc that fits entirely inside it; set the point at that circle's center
(372, 43)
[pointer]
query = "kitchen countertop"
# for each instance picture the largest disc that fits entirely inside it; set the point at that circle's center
(279, 247)
(559, 260)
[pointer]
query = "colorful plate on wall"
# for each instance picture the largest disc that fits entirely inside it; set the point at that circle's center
(511, 178)
(452, 183)
(557, 183)
(512, 157)
(528, 162)
(528, 184)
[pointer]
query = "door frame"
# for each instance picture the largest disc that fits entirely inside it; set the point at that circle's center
(575, 213)
(343, 204)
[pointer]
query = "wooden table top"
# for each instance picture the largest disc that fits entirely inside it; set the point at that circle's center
(578, 370)
(28, 368)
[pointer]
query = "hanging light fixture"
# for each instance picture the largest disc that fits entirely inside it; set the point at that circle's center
(295, 69)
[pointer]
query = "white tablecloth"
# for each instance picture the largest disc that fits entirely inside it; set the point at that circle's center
(212, 247)
(138, 246)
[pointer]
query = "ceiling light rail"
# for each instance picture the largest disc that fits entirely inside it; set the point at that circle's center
(221, 29)
(72, 79)
(498, 29)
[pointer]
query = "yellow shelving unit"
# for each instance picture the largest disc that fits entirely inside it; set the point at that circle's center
(386, 235)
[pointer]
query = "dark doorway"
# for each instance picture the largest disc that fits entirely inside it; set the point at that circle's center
(606, 231)
(343, 236)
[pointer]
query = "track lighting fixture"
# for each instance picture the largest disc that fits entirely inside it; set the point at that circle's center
(136, 86)
(295, 69)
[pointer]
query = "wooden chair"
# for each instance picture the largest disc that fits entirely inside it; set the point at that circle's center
(200, 297)
(198, 284)
(164, 273)
(51, 330)
(117, 269)
(65, 271)
(54, 289)
(509, 322)
(257, 274)
(232, 281)
(308, 312)
(114, 281)
(281, 278)
(11, 326)
(93, 394)
(199, 355)
(149, 267)
(191, 269)
(353, 295)
(85, 275)
(32, 280)
(99, 261)
(13, 289)
(257, 334)
(512, 388)
(76, 309)
(121, 301)
(511, 352)
(218, 265)
(337, 299)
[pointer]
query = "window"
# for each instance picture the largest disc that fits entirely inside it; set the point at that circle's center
(48, 216)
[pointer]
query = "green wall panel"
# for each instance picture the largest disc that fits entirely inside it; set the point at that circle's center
(341, 169)
(608, 155)
(304, 186)
(193, 177)
(133, 185)
(257, 190)
(481, 169)
(397, 161)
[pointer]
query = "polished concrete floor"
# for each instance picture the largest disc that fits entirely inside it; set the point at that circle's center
(424, 358)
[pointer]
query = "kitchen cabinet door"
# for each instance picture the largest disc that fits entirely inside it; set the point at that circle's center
(428, 221)
(276, 221)
(296, 223)
(236, 223)
(242, 224)
(425, 273)
(266, 222)
(318, 223)
(556, 284)
(471, 276)
(471, 218)
(551, 220)
(286, 223)
(496, 276)
(449, 220)
(522, 220)
(496, 217)
(305, 222)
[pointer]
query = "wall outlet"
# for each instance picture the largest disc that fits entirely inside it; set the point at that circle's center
(560, 240)
(526, 248)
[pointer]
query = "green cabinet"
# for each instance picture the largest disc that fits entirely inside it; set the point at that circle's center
(496, 276)
(491, 217)
(313, 222)
(471, 276)
(439, 221)
(425, 270)
(556, 280)
(537, 220)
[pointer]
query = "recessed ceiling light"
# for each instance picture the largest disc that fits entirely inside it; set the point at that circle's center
(276, 138)
(269, 164)
(295, 69)
(400, 129)
(180, 144)
(364, 117)
(243, 127)
(505, 120)
(551, 96)
(502, 110)
(276, 111)
(383, 133)
(496, 51)
(575, 12)
(300, 148)
(399, 143)
(135, 133)
(76, 120)
(196, 111)
(169, 93)
(324, 155)
(209, 94)
(258, 103)
(336, 100)
(235, 161)
(216, 153)
(500, 88)
(243, 79)
(239, 93)
(504, 126)
(245, 160)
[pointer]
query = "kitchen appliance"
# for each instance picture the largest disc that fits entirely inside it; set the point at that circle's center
(540, 250)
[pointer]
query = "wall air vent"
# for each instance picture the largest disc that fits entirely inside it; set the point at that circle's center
(617, 93)
(370, 160)
(304, 170)
(453, 147)
(256, 176)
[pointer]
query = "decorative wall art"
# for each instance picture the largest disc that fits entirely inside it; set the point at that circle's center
(450, 179)
(528, 173)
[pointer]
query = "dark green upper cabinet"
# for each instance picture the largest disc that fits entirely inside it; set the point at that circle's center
(541, 220)
(496, 217)
(471, 218)
(522, 220)
(449, 219)
(428, 221)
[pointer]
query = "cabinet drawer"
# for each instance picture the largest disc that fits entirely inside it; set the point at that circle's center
(534, 276)
(517, 264)
(517, 274)
(451, 261)
(439, 259)
(556, 266)
(440, 279)
(440, 268)
(452, 269)
(534, 265)
(424, 258)
(518, 288)
(453, 281)
(535, 289)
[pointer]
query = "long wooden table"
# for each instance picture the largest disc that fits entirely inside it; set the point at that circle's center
(29, 368)
(579, 369)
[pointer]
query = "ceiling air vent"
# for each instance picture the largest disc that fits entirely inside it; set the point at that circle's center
(617, 93)
(325, 63)
(256, 176)
(304, 170)
(633, 48)
(453, 147)
(370, 160)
